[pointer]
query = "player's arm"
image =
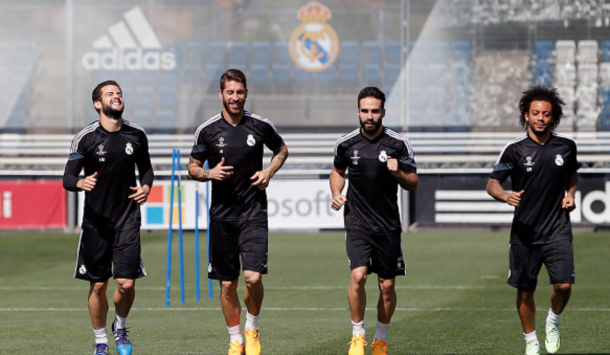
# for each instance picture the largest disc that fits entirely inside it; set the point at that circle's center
(198, 172)
(568, 201)
(337, 183)
(71, 180)
(495, 190)
(262, 178)
(406, 180)
(146, 174)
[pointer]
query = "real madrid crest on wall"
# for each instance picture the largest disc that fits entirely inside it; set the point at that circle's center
(314, 45)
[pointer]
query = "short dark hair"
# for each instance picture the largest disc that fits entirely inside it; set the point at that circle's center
(96, 95)
(371, 91)
(233, 75)
(541, 93)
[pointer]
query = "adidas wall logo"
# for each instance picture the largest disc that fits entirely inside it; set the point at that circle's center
(130, 45)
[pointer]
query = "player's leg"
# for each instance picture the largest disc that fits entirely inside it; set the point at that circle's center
(224, 266)
(559, 261)
(98, 308)
(526, 307)
(231, 309)
(253, 294)
(229, 302)
(128, 267)
(387, 262)
(525, 264)
(254, 241)
(123, 298)
(94, 264)
(356, 295)
(359, 250)
(385, 309)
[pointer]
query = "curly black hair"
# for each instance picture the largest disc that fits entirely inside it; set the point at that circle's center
(541, 93)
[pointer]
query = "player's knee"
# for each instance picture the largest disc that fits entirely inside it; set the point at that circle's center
(359, 276)
(563, 288)
(228, 287)
(386, 287)
(253, 279)
(125, 285)
(99, 288)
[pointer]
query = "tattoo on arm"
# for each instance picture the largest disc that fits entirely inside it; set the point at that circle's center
(196, 171)
(279, 157)
(495, 190)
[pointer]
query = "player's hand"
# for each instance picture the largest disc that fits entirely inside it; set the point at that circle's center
(393, 166)
(88, 183)
(140, 194)
(568, 203)
(221, 172)
(338, 202)
(261, 179)
(514, 198)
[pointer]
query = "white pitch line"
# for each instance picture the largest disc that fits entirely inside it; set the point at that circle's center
(293, 309)
(304, 288)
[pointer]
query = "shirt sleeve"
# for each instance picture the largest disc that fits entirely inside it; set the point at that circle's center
(573, 160)
(406, 160)
(340, 161)
(271, 137)
(75, 164)
(200, 149)
(504, 165)
(144, 164)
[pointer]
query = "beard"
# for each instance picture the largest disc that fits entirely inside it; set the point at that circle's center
(376, 126)
(111, 112)
(229, 109)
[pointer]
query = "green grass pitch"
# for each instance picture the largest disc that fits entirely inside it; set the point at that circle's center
(454, 301)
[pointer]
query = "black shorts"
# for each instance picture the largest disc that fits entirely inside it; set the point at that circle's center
(526, 262)
(108, 253)
(231, 240)
(380, 253)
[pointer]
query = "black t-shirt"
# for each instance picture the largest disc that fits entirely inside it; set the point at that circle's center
(543, 172)
(235, 199)
(114, 156)
(372, 190)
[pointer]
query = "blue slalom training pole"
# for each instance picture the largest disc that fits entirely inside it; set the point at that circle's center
(169, 234)
(207, 208)
(180, 235)
(197, 242)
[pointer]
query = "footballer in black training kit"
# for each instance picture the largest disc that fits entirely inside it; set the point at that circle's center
(109, 150)
(233, 142)
(378, 160)
(543, 168)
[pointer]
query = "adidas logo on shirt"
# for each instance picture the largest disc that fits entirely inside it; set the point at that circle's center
(123, 47)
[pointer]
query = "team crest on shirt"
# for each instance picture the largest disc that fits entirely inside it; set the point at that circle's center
(210, 267)
(355, 158)
(100, 150)
(558, 160)
(82, 270)
(251, 141)
(128, 149)
(383, 156)
(529, 163)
